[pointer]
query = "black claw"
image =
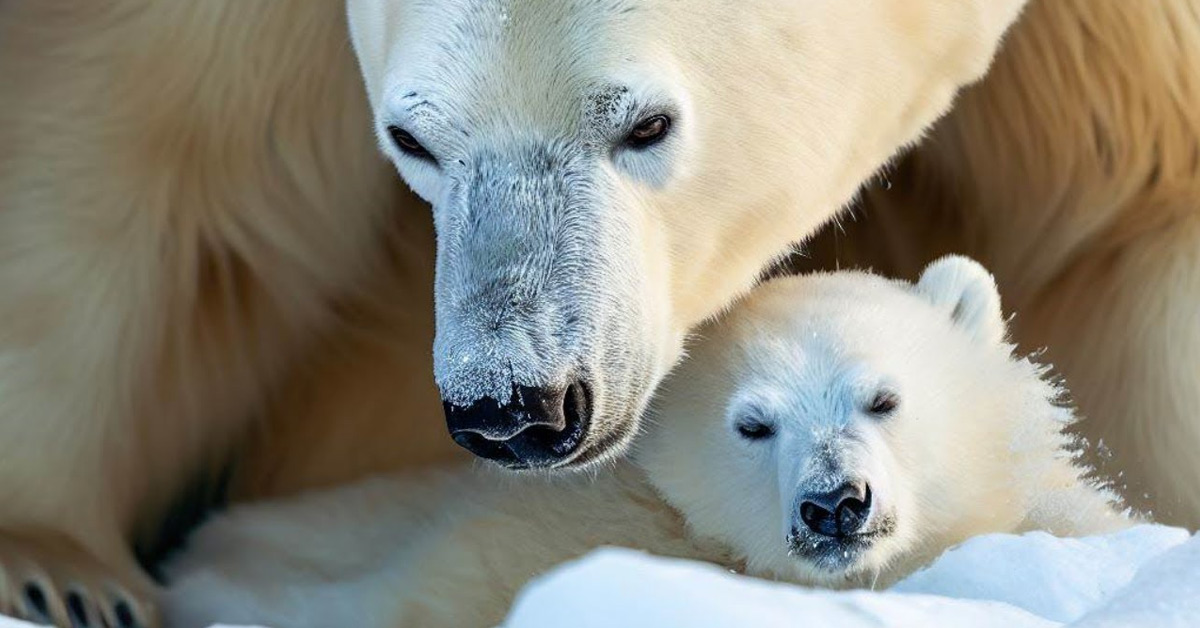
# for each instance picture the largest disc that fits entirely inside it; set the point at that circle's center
(77, 610)
(36, 602)
(124, 614)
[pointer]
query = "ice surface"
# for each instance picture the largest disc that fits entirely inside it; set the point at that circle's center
(1145, 576)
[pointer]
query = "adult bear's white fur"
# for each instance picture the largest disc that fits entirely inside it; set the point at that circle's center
(197, 231)
(188, 202)
(975, 445)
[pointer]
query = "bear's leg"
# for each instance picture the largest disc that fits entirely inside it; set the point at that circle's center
(98, 432)
(85, 285)
(46, 578)
(182, 197)
(1123, 326)
(77, 311)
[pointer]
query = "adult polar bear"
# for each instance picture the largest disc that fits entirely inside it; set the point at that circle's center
(595, 180)
(196, 231)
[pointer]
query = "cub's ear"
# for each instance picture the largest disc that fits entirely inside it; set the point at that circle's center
(966, 291)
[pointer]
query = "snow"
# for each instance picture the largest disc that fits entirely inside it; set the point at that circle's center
(640, 591)
(1059, 579)
(1165, 593)
(1145, 576)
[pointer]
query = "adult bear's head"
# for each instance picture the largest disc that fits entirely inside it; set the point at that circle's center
(606, 174)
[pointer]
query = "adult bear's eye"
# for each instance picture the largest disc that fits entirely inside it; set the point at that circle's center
(884, 403)
(409, 144)
(649, 131)
(753, 429)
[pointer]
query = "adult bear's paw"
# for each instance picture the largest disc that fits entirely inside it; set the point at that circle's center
(48, 580)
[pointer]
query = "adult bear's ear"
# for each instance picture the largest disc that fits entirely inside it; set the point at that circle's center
(967, 292)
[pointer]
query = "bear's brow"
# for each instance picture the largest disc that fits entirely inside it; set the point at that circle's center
(607, 100)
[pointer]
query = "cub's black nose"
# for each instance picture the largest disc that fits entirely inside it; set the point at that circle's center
(535, 427)
(838, 513)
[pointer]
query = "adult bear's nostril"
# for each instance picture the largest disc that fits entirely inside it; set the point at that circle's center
(525, 408)
(577, 404)
(486, 419)
(536, 427)
(838, 513)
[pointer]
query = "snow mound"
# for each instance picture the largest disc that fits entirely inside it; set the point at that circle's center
(624, 588)
(1054, 578)
(1145, 576)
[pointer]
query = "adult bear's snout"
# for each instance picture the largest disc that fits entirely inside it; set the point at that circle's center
(536, 427)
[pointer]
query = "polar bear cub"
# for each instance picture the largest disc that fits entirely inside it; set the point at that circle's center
(845, 429)
(834, 429)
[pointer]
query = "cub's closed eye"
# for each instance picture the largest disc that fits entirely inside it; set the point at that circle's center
(884, 403)
(649, 131)
(409, 144)
(752, 429)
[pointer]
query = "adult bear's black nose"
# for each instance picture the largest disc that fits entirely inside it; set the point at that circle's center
(838, 513)
(536, 427)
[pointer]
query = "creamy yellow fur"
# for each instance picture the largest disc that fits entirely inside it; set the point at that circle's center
(196, 231)
(189, 192)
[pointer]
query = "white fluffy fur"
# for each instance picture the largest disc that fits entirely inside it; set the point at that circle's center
(976, 446)
(976, 443)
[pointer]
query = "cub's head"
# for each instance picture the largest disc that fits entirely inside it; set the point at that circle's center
(606, 174)
(835, 426)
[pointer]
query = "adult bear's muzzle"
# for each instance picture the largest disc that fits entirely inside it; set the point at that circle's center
(538, 328)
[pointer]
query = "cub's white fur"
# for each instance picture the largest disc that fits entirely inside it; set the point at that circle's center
(973, 444)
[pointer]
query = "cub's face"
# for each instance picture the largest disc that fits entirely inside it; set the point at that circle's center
(605, 174)
(824, 429)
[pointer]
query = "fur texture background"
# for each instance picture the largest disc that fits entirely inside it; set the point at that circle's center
(208, 272)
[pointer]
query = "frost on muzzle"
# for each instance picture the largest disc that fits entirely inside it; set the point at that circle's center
(533, 323)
